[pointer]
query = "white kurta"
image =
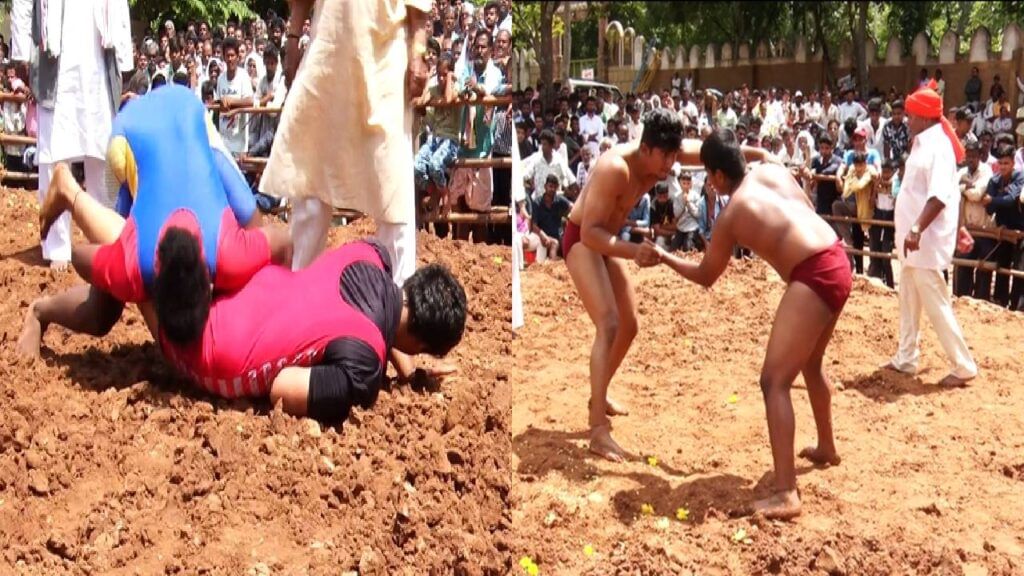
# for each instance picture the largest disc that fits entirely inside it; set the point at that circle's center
(82, 117)
(345, 135)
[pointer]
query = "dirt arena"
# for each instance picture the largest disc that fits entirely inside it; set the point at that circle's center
(932, 480)
(111, 465)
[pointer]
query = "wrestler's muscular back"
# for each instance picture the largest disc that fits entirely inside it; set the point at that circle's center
(770, 214)
(609, 169)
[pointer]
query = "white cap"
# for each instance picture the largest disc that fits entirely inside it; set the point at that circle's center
(169, 24)
(798, 94)
(468, 8)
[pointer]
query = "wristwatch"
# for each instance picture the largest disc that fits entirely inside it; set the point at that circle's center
(915, 230)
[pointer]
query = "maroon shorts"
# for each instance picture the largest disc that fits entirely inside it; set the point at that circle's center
(570, 237)
(828, 274)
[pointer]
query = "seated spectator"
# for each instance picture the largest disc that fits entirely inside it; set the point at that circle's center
(686, 211)
(638, 222)
(548, 212)
(1003, 122)
(663, 222)
(973, 179)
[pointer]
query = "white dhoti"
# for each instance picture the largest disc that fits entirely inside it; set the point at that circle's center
(923, 288)
(345, 136)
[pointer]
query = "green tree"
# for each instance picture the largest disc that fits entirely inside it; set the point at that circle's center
(154, 12)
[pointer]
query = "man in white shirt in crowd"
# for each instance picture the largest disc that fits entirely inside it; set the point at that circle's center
(633, 122)
(544, 162)
(927, 210)
(973, 181)
(829, 111)
(592, 127)
(874, 126)
(688, 109)
(850, 108)
(812, 108)
(686, 207)
(234, 90)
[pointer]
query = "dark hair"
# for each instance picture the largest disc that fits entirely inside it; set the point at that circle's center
(662, 129)
(548, 136)
(849, 125)
(1003, 151)
(893, 165)
(685, 175)
(230, 43)
(963, 114)
(158, 80)
(721, 151)
(483, 32)
(1004, 138)
(492, 5)
(181, 287)
(860, 157)
(208, 89)
(181, 79)
(824, 138)
(986, 132)
(437, 308)
(874, 105)
(551, 179)
(660, 188)
(972, 146)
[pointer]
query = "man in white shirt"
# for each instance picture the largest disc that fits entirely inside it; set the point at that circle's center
(686, 208)
(234, 90)
(812, 108)
(874, 126)
(544, 162)
(851, 108)
(927, 210)
(592, 127)
(829, 111)
(633, 122)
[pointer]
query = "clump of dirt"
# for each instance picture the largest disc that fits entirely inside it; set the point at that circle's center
(111, 464)
(930, 481)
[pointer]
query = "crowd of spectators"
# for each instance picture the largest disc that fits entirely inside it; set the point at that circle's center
(238, 65)
(848, 153)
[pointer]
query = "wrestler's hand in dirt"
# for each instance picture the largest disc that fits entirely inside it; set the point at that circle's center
(431, 378)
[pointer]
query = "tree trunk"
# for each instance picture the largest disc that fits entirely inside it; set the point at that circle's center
(819, 34)
(602, 56)
(860, 47)
(567, 43)
(961, 24)
(547, 49)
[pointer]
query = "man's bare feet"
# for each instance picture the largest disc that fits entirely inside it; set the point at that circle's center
(782, 505)
(952, 381)
(31, 334)
(57, 199)
(602, 444)
(819, 456)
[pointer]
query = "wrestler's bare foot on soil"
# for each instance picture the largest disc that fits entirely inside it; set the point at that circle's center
(57, 199)
(613, 408)
(819, 456)
(31, 334)
(782, 505)
(602, 444)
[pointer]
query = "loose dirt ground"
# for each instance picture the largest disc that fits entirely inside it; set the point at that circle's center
(109, 464)
(932, 480)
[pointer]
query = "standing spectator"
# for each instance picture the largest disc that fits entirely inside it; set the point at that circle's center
(973, 179)
(825, 168)
(548, 212)
(964, 119)
(592, 128)
(634, 124)
(972, 89)
(663, 222)
(544, 163)
(927, 210)
(1003, 200)
(686, 210)
(15, 106)
(996, 91)
(858, 184)
(896, 134)
(940, 84)
(881, 237)
(829, 111)
(76, 82)
(709, 208)
(677, 84)
(345, 135)
(851, 108)
(438, 153)
(875, 127)
(584, 167)
(812, 108)
(234, 90)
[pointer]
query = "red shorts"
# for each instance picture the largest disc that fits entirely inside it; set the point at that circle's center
(240, 254)
(828, 274)
(570, 237)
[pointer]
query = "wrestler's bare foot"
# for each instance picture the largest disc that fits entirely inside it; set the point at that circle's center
(57, 198)
(602, 444)
(819, 456)
(782, 505)
(31, 334)
(954, 382)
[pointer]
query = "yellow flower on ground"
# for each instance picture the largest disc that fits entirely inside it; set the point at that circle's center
(588, 550)
(740, 535)
(682, 514)
(652, 460)
(646, 509)
(734, 399)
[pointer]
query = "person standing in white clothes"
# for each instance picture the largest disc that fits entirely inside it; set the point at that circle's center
(77, 50)
(927, 211)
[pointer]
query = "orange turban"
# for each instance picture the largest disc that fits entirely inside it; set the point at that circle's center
(927, 103)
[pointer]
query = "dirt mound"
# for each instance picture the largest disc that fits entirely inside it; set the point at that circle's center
(930, 483)
(109, 464)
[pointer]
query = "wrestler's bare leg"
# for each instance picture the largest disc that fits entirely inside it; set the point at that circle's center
(819, 390)
(592, 275)
(99, 224)
(801, 320)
